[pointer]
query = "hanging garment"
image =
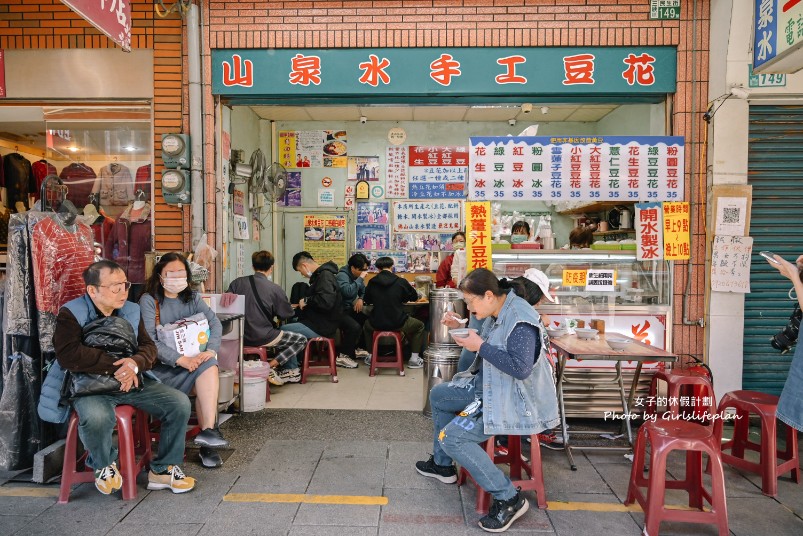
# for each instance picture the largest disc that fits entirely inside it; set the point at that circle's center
(20, 303)
(116, 185)
(143, 180)
(129, 240)
(4, 216)
(18, 176)
(81, 181)
(41, 169)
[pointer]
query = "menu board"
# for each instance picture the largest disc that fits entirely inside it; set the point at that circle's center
(438, 172)
(730, 263)
(578, 168)
(396, 173)
(422, 216)
(325, 237)
(313, 148)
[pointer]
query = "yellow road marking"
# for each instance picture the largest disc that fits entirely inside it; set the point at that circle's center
(28, 492)
(362, 500)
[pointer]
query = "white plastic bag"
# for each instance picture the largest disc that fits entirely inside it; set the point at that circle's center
(204, 253)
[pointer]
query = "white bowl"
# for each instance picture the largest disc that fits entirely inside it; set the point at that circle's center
(460, 333)
(586, 333)
(554, 333)
(618, 343)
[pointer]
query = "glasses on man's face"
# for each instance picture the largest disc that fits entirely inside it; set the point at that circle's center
(116, 288)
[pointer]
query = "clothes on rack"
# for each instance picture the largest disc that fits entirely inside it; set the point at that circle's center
(116, 185)
(20, 301)
(129, 241)
(81, 181)
(18, 179)
(143, 180)
(4, 216)
(41, 169)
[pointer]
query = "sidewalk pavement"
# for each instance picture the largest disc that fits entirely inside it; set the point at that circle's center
(328, 472)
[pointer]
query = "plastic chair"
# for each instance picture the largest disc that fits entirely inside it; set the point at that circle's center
(664, 436)
(398, 360)
(534, 480)
(677, 382)
(262, 353)
(746, 403)
(134, 438)
(328, 366)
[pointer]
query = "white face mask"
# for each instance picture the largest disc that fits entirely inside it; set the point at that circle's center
(174, 284)
(459, 245)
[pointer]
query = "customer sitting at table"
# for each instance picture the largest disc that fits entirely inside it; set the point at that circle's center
(388, 293)
(508, 389)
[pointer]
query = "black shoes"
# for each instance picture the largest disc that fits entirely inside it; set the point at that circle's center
(211, 437)
(502, 514)
(445, 473)
(210, 458)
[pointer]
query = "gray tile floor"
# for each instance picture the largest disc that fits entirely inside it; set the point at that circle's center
(346, 453)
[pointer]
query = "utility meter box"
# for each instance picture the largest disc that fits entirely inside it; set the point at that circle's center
(176, 186)
(176, 151)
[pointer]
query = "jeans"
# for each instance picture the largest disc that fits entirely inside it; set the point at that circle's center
(288, 347)
(96, 421)
(458, 438)
(298, 327)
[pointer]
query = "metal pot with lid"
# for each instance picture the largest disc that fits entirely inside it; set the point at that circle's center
(442, 300)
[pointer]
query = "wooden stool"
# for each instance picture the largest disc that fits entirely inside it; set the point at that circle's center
(533, 482)
(397, 363)
(327, 367)
(664, 436)
(262, 353)
(676, 381)
(763, 405)
(133, 437)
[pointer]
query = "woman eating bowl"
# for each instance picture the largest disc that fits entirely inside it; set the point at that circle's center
(166, 300)
(508, 389)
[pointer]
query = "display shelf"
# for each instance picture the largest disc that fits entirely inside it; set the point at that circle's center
(616, 232)
(598, 206)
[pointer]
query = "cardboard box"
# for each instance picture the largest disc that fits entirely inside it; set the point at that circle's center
(213, 301)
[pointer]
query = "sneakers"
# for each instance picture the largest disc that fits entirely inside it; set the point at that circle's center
(290, 375)
(211, 437)
(359, 352)
(367, 360)
(108, 480)
(174, 480)
(274, 379)
(415, 362)
(445, 473)
(345, 361)
(502, 514)
(210, 458)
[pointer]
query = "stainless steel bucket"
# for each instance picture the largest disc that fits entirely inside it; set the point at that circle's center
(440, 364)
(440, 300)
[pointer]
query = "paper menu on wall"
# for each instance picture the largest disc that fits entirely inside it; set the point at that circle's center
(730, 263)
(731, 216)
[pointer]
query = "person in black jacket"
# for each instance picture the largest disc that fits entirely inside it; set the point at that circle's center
(323, 308)
(391, 292)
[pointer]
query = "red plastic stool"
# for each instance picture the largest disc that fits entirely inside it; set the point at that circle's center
(326, 367)
(262, 353)
(535, 477)
(763, 405)
(134, 438)
(677, 381)
(664, 436)
(397, 362)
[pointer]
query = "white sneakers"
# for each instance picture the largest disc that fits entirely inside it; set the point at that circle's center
(345, 361)
(415, 361)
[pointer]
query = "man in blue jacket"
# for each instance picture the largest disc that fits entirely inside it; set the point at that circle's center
(106, 293)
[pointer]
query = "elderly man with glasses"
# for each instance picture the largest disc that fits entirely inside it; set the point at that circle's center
(106, 287)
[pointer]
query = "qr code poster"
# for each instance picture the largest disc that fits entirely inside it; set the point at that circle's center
(731, 217)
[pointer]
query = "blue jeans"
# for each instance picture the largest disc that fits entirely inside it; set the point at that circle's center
(298, 327)
(96, 422)
(458, 438)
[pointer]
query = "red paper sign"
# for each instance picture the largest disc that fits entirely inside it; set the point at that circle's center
(438, 156)
(112, 17)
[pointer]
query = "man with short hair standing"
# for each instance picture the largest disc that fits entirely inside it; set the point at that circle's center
(264, 301)
(106, 293)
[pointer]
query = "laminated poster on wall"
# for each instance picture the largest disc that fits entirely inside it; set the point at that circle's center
(427, 216)
(240, 259)
(396, 175)
(372, 236)
(292, 194)
(325, 237)
(313, 148)
(363, 168)
(438, 172)
(373, 212)
(399, 259)
(730, 263)
(326, 197)
(240, 227)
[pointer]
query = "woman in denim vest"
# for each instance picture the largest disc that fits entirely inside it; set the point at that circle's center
(508, 389)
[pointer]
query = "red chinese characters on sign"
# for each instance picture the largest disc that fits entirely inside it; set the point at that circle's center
(444, 68)
(510, 77)
(305, 70)
(238, 72)
(374, 71)
(649, 236)
(578, 69)
(112, 17)
(478, 246)
(639, 70)
(438, 156)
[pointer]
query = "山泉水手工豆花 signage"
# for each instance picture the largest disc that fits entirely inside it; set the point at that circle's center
(112, 17)
(505, 72)
(576, 168)
(778, 36)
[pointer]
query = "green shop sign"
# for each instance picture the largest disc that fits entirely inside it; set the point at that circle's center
(394, 73)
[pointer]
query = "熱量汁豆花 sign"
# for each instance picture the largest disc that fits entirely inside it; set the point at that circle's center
(576, 168)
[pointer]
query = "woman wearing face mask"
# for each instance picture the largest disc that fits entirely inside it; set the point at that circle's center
(443, 278)
(520, 232)
(168, 299)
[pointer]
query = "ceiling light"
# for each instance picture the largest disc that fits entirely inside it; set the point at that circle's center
(130, 148)
(73, 149)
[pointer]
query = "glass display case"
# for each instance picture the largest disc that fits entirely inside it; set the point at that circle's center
(610, 289)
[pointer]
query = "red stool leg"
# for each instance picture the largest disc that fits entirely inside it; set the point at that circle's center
(769, 463)
(637, 469)
(332, 360)
(68, 472)
(399, 354)
(374, 354)
(656, 489)
(791, 452)
(305, 363)
(125, 436)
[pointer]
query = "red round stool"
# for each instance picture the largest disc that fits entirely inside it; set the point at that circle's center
(518, 463)
(327, 366)
(664, 436)
(746, 403)
(134, 438)
(397, 362)
(678, 381)
(262, 353)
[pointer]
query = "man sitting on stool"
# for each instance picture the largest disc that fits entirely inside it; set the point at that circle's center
(391, 292)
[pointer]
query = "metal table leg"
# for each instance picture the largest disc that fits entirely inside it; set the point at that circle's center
(625, 406)
(564, 428)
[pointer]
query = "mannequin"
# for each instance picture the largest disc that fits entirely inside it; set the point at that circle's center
(130, 239)
(139, 201)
